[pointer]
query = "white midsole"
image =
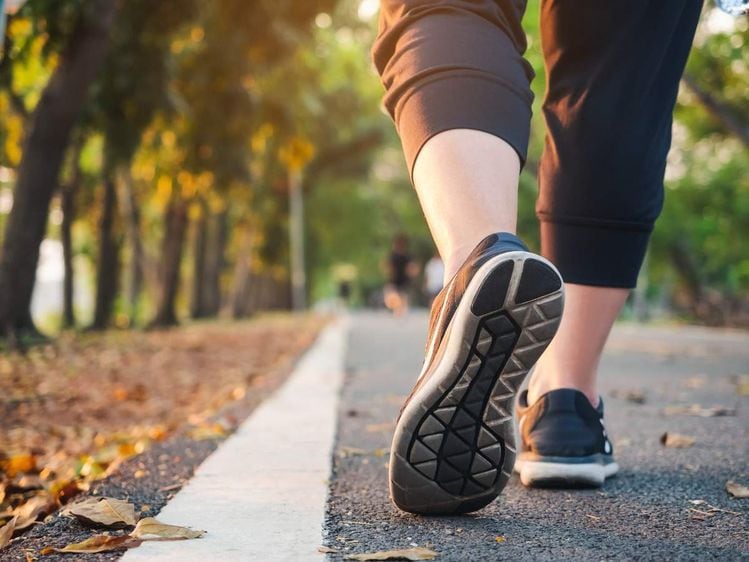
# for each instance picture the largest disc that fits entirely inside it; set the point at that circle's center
(533, 471)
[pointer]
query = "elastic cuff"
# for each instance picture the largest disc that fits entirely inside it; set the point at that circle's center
(593, 254)
(463, 101)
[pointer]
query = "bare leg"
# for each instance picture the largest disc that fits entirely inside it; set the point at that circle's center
(467, 185)
(467, 182)
(571, 360)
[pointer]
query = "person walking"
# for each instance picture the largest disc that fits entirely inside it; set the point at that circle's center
(400, 270)
(458, 90)
(434, 277)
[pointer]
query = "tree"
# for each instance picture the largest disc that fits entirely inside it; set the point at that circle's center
(51, 125)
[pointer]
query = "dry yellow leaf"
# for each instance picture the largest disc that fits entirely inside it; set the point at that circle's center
(416, 553)
(31, 510)
(110, 512)
(676, 441)
(6, 532)
(150, 528)
(387, 427)
(209, 431)
(700, 411)
(18, 463)
(737, 490)
(326, 550)
(99, 543)
(742, 385)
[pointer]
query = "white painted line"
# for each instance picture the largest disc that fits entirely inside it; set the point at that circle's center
(261, 495)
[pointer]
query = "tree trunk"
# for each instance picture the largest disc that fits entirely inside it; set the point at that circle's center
(67, 196)
(197, 309)
(108, 266)
(43, 153)
(210, 244)
(215, 263)
(137, 257)
(242, 276)
(171, 260)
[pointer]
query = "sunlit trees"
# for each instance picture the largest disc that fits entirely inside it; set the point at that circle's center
(47, 137)
(172, 171)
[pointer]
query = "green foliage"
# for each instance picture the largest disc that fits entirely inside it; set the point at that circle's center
(218, 103)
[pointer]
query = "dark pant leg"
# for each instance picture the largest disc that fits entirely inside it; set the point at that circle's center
(454, 64)
(613, 72)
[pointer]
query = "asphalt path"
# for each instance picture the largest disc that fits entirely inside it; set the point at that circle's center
(666, 503)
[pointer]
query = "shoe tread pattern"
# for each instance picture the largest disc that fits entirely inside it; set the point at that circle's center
(464, 441)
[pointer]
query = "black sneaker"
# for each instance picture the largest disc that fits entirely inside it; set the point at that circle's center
(563, 441)
(453, 449)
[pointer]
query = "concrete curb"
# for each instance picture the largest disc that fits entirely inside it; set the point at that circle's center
(262, 494)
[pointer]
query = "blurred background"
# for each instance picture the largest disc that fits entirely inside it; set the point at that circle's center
(161, 161)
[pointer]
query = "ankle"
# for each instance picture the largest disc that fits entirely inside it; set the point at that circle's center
(458, 252)
(540, 385)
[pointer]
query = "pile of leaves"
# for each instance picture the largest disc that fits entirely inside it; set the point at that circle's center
(111, 513)
(72, 411)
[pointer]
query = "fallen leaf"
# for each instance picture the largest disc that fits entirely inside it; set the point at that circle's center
(110, 512)
(742, 385)
(634, 396)
(386, 427)
(30, 511)
(416, 553)
(737, 490)
(98, 543)
(346, 451)
(26, 483)
(342, 539)
(697, 410)
(64, 491)
(676, 441)
(695, 382)
(500, 538)
(326, 550)
(701, 515)
(6, 532)
(149, 528)
(707, 510)
(209, 431)
(18, 463)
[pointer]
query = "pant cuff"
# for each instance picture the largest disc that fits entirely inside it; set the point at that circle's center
(465, 100)
(591, 254)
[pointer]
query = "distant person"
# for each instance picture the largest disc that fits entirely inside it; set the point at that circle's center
(344, 292)
(459, 91)
(400, 270)
(434, 277)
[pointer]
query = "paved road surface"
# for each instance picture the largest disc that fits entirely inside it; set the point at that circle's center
(643, 514)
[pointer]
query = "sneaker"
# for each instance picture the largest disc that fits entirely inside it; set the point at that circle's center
(563, 441)
(453, 449)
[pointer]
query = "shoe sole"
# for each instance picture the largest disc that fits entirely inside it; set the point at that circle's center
(546, 474)
(454, 447)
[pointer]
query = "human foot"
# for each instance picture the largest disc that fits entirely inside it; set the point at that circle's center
(453, 448)
(563, 441)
